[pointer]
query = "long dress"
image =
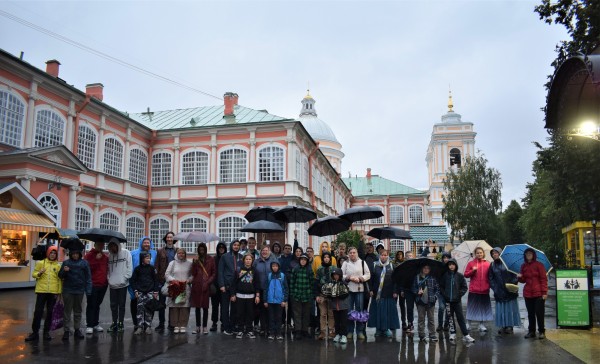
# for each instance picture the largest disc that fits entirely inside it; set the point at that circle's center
(507, 307)
(383, 312)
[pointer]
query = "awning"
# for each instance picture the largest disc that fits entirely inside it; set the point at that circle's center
(439, 234)
(25, 221)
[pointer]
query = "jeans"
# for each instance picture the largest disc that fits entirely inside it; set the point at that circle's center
(43, 300)
(340, 319)
(275, 316)
(535, 312)
(215, 302)
(429, 311)
(441, 310)
(72, 307)
(452, 309)
(356, 303)
(94, 301)
(410, 307)
(118, 296)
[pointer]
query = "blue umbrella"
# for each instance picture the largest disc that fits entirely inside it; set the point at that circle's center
(513, 257)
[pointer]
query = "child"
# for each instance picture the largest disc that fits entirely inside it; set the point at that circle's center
(144, 282)
(323, 277)
(338, 303)
(453, 286)
(425, 288)
(245, 292)
(275, 297)
(301, 292)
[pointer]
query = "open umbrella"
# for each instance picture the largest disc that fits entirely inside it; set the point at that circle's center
(260, 213)
(328, 225)
(295, 214)
(513, 257)
(262, 226)
(101, 235)
(360, 213)
(197, 236)
(465, 252)
(389, 232)
(405, 273)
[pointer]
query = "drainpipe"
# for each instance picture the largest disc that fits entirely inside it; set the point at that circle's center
(76, 130)
(149, 181)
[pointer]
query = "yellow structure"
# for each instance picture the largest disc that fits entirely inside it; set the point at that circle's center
(579, 243)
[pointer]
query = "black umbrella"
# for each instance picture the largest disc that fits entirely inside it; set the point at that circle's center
(262, 226)
(328, 225)
(72, 244)
(101, 235)
(405, 273)
(295, 214)
(389, 232)
(260, 213)
(361, 213)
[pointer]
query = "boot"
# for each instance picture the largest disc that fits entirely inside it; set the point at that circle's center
(34, 336)
(66, 336)
(321, 335)
(47, 336)
(78, 335)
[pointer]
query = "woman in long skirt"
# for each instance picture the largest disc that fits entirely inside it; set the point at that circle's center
(507, 307)
(479, 305)
(383, 313)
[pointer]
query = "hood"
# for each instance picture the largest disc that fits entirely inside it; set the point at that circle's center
(452, 260)
(114, 242)
(231, 246)
(337, 271)
(50, 249)
(498, 250)
(273, 247)
(323, 260)
(142, 239)
(379, 246)
(277, 264)
(221, 244)
(534, 254)
(446, 255)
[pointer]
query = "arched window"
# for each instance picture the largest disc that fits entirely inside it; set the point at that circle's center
(415, 214)
(49, 128)
(113, 157)
(52, 204)
(396, 245)
(229, 228)
(270, 164)
(188, 225)
(396, 215)
(12, 117)
(110, 221)
(138, 166)
(161, 169)
(232, 166)
(134, 230)
(86, 146)
(194, 168)
(83, 218)
(159, 227)
(455, 157)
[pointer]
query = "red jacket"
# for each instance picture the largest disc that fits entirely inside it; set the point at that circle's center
(201, 281)
(98, 267)
(533, 274)
(479, 283)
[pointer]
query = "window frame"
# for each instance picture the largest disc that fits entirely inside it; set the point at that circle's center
(112, 157)
(410, 214)
(234, 160)
(3, 122)
(268, 172)
(160, 175)
(138, 169)
(39, 134)
(196, 170)
(94, 145)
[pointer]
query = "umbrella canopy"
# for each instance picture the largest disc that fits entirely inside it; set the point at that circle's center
(198, 236)
(389, 232)
(72, 244)
(260, 213)
(361, 213)
(405, 273)
(465, 252)
(295, 214)
(262, 226)
(328, 225)
(101, 235)
(513, 257)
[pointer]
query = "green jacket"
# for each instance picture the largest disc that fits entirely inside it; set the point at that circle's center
(301, 284)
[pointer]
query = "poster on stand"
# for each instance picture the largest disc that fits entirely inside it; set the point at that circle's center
(596, 276)
(572, 298)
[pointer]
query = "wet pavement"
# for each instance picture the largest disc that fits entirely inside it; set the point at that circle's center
(16, 311)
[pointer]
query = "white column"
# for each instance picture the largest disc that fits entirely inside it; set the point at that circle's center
(100, 155)
(123, 227)
(291, 154)
(213, 157)
(252, 157)
(176, 161)
(175, 226)
(97, 205)
(70, 127)
(126, 164)
(71, 206)
(30, 123)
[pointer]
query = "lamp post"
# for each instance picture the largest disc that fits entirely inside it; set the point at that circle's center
(595, 242)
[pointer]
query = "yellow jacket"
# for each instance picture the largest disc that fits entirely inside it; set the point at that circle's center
(317, 259)
(47, 282)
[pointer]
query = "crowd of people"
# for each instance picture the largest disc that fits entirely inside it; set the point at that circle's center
(276, 289)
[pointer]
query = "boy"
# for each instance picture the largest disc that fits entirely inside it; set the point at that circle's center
(275, 299)
(425, 288)
(339, 303)
(301, 292)
(144, 282)
(453, 286)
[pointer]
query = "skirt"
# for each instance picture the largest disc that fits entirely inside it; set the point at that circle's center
(479, 307)
(507, 314)
(383, 314)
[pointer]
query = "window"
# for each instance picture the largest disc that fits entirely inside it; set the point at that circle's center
(305, 171)
(86, 146)
(396, 245)
(415, 214)
(455, 157)
(194, 168)
(158, 228)
(378, 220)
(161, 169)
(134, 231)
(396, 215)
(270, 164)
(12, 116)
(229, 228)
(138, 166)
(52, 205)
(83, 218)
(49, 128)
(110, 221)
(232, 166)
(188, 225)
(299, 166)
(113, 157)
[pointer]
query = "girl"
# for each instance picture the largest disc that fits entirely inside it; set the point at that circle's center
(144, 282)
(245, 293)
(507, 308)
(179, 272)
(533, 274)
(203, 273)
(383, 314)
(339, 304)
(326, 314)
(479, 305)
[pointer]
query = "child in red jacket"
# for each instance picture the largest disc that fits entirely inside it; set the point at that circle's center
(533, 274)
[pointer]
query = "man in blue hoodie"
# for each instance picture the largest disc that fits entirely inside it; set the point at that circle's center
(145, 245)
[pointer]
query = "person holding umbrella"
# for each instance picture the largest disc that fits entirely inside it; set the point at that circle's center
(479, 305)
(507, 307)
(533, 274)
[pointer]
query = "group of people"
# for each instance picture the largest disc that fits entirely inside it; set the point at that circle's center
(253, 291)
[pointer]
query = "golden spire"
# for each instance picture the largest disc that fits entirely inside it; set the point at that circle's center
(450, 103)
(308, 92)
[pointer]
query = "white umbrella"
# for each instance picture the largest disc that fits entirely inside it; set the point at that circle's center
(196, 236)
(465, 252)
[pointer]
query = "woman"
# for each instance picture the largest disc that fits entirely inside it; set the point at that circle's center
(179, 274)
(316, 263)
(341, 254)
(47, 289)
(399, 259)
(203, 273)
(325, 310)
(507, 307)
(356, 273)
(383, 314)
(479, 305)
(533, 274)
(276, 249)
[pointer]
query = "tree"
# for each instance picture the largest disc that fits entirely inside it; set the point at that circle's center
(352, 238)
(472, 200)
(512, 230)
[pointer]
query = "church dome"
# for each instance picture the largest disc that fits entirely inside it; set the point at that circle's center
(317, 128)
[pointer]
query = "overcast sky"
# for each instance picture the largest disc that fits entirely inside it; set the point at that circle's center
(379, 71)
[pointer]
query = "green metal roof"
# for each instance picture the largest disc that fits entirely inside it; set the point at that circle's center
(424, 233)
(205, 116)
(378, 186)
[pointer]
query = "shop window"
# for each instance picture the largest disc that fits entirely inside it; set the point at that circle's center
(13, 247)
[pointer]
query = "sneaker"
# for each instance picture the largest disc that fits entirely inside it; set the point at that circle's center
(228, 333)
(120, 327)
(197, 331)
(47, 336)
(205, 330)
(422, 338)
(34, 336)
(176, 330)
(137, 331)
(160, 328)
(350, 336)
(530, 335)
(251, 335)
(113, 327)
(89, 330)
(213, 328)
(361, 336)
(279, 337)
(482, 328)
(337, 338)
(182, 330)
(343, 340)
(331, 334)
(387, 333)
(411, 328)
(66, 336)
(271, 337)
(452, 337)
(468, 339)
(98, 328)
(321, 336)
(239, 335)
(542, 336)
(433, 338)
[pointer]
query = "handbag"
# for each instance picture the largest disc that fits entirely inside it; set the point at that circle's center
(58, 315)
(512, 288)
(164, 290)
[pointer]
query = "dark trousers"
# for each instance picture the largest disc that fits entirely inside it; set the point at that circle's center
(275, 314)
(455, 309)
(340, 319)
(42, 300)
(92, 310)
(245, 313)
(441, 310)
(204, 316)
(118, 297)
(301, 315)
(161, 313)
(215, 302)
(263, 315)
(402, 304)
(535, 312)
(133, 310)
(410, 307)
(228, 310)
(73, 310)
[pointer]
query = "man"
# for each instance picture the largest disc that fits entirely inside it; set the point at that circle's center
(119, 272)
(164, 256)
(98, 262)
(228, 265)
(409, 297)
(144, 246)
(262, 267)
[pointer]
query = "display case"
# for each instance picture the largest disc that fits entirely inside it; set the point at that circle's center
(13, 247)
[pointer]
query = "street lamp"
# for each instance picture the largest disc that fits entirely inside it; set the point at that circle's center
(587, 129)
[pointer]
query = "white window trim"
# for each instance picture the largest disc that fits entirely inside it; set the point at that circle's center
(118, 139)
(171, 170)
(224, 149)
(422, 214)
(25, 109)
(60, 209)
(257, 161)
(230, 214)
(113, 211)
(148, 161)
(191, 216)
(401, 208)
(162, 217)
(93, 128)
(43, 107)
(182, 154)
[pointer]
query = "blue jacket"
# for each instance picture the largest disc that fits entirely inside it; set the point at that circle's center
(135, 259)
(276, 290)
(78, 280)
(262, 267)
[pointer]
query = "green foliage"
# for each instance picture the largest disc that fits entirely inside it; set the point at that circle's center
(472, 200)
(512, 231)
(351, 238)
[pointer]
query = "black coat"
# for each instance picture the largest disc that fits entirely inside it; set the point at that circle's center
(144, 279)
(389, 286)
(498, 277)
(453, 286)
